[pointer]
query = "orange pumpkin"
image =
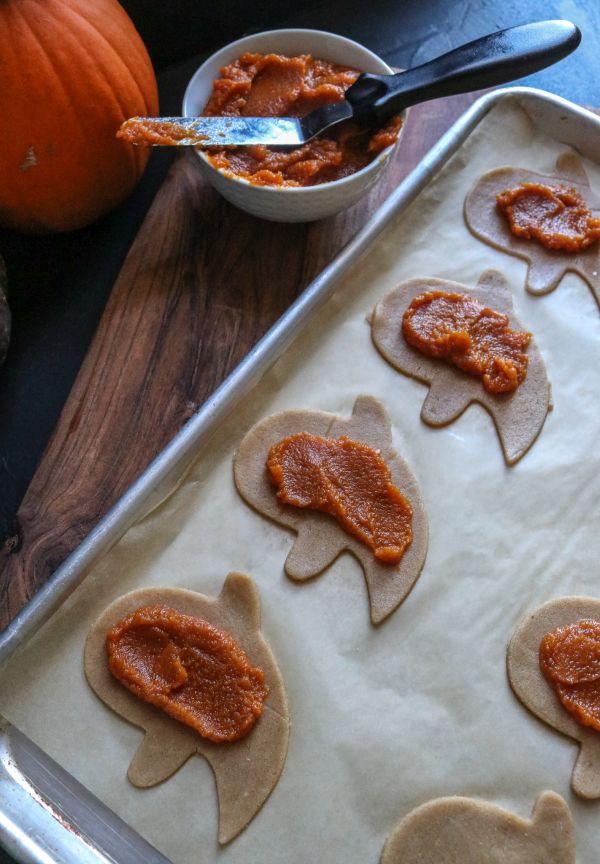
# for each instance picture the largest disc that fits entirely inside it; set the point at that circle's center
(70, 72)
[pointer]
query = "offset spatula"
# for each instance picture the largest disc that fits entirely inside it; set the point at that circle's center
(492, 60)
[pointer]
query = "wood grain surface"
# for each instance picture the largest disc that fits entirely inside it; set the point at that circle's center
(201, 284)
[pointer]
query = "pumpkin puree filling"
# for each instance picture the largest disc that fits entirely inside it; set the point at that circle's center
(192, 670)
(461, 330)
(557, 217)
(350, 481)
(272, 85)
(570, 661)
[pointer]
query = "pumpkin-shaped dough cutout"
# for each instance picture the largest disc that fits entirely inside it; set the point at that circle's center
(518, 416)
(546, 266)
(467, 831)
(320, 538)
(247, 770)
(537, 694)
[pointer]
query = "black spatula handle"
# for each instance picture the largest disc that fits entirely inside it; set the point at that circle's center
(492, 60)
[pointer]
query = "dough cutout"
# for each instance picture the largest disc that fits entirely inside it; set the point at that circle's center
(468, 831)
(537, 694)
(246, 771)
(546, 266)
(518, 416)
(320, 537)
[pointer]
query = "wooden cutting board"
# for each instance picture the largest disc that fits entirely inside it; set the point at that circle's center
(200, 285)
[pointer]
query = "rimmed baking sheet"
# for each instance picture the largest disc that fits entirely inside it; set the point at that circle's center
(383, 718)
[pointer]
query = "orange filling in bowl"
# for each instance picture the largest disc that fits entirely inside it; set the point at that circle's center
(271, 85)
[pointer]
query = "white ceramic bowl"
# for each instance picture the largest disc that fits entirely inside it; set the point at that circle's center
(289, 204)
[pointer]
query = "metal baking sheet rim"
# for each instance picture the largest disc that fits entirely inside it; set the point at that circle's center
(37, 825)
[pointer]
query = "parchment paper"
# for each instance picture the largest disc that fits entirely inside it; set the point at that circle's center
(383, 718)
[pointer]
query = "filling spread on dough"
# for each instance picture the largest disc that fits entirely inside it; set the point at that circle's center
(557, 217)
(190, 669)
(348, 480)
(461, 330)
(570, 660)
(272, 85)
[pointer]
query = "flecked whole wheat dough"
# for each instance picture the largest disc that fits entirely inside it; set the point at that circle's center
(546, 266)
(537, 694)
(320, 538)
(518, 416)
(247, 770)
(459, 830)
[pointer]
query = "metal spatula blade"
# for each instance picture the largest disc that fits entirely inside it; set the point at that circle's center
(232, 131)
(212, 131)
